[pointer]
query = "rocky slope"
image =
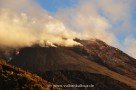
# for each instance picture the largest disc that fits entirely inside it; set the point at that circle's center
(94, 63)
(108, 56)
(13, 78)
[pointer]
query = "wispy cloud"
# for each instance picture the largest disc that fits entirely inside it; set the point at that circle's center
(102, 19)
(130, 46)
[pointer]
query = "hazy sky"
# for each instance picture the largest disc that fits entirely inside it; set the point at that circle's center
(123, 26)
(52, 6)
(29, 21)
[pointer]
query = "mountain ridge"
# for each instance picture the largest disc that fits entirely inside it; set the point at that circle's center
(65, 59)
(13, 78)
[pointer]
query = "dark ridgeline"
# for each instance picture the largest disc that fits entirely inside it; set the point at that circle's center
(96, 63)
(108, 56)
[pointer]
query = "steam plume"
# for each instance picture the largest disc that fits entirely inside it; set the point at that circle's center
(28, 25)
(24, 23)
(106, 20)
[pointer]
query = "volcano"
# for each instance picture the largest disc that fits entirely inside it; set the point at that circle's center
(13, 78)
(93, 63)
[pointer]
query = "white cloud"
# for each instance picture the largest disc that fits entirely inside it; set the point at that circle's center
(23, 23)
(130, 46)
(101, 19)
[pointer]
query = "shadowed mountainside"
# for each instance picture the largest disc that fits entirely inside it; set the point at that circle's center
(80, 64)
(13, 78)
(108, 56)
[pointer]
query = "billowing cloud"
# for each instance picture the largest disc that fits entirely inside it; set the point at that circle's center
(23, 23)
(95, 19)
(101, 19)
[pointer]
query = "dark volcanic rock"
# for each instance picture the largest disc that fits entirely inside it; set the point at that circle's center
(12, 78)
(67, 65)
(96, 81)
(108, 56)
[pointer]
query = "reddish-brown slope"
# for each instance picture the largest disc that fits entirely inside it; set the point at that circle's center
(110, 57)
(42, 60)
(12, 78)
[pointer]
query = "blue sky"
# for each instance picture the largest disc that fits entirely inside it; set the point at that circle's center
(52, 6)
(134, 15)
(113, 21)
(126, 37)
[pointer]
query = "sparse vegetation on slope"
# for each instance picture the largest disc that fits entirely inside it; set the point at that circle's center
(108, 56)
(12, 78)
(45, 60)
